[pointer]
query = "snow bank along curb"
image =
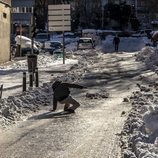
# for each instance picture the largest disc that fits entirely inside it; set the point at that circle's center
(149, 56)
(139, 137)
(14, 107)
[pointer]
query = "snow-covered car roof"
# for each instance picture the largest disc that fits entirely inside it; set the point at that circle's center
(52, 41)
(89, 31)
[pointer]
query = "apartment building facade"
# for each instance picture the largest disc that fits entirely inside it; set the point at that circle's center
(5, 8)
(22, 10)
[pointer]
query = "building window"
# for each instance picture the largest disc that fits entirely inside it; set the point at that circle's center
(4, 15)
(30, 10)
(27, 10)
(22, 10)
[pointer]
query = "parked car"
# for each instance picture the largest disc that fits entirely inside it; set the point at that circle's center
(142, 33)
(42, 37)
(58, 53)
(70, 37)
(85, 43)
(51, 46)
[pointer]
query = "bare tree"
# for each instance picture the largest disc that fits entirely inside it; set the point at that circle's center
(41, 13)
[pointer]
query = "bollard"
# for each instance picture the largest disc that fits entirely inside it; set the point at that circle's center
(37, 79)
(1, 89)
(24, 81)
(31, 79)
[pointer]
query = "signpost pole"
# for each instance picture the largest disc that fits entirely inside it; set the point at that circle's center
(63, 48)
(32, 39)
(20, 39)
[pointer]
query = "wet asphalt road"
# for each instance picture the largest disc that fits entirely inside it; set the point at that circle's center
(93, 131)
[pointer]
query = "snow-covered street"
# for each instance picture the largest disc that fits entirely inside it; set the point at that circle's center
(118, 113)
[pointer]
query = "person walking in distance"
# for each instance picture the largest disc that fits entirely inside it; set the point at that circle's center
(62, 95)
(116, 42)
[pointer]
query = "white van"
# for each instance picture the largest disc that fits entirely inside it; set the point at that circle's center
(85, 43)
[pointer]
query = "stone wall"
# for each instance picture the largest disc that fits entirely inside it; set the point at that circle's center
(4, 33)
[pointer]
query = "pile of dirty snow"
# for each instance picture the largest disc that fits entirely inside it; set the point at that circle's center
(149, 55)
(14, 108)
(43, 61)
(140, 133)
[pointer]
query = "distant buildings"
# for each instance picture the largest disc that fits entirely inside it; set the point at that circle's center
(5, 7)
(22, 11)
(84, 13)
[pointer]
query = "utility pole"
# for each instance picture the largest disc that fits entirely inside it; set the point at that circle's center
(136, 7)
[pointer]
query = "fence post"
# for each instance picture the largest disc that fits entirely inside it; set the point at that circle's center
(24, 81)
(1, 89)
(37, 79)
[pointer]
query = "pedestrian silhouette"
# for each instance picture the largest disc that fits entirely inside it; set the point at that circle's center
(116, 42)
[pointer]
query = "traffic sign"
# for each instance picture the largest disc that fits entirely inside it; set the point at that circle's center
(59, 17)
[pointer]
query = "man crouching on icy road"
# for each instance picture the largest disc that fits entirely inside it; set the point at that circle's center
(62, 94)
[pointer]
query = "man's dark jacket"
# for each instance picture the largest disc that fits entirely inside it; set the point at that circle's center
(116, 40)
(61, 91)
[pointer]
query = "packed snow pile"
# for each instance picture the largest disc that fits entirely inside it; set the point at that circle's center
(43, 61)
(140, 133)
(149, 55)
(14, 107)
